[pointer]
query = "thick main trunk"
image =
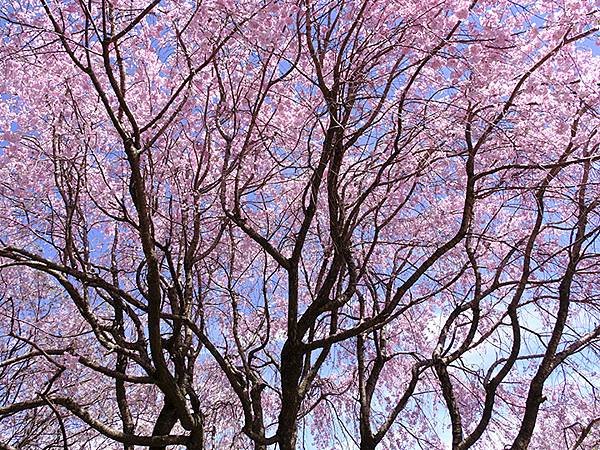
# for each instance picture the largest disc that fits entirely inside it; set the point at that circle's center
(287, 441)
(196, 441)
(367, 444)
(258, 423)
(166, 420)
(367, 441)
(291, 369)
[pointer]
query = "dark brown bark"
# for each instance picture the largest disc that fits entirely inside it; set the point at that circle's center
(166, 420)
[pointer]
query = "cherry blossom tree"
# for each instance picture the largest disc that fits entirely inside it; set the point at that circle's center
(272, 224)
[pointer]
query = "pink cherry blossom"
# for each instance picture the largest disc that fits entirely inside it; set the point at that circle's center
(273, 224)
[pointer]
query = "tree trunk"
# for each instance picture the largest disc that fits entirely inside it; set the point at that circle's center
(291, 369)
(165, 422)
(367, 444)
(196, 441)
